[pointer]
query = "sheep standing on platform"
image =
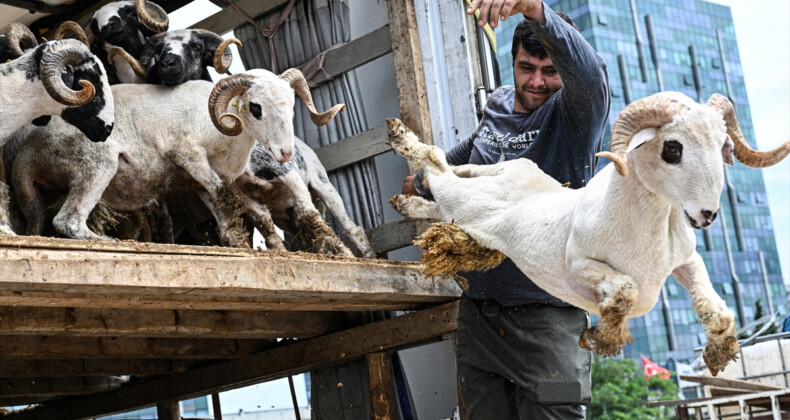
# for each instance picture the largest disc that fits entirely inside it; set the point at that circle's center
(608, 247)
(164, 142)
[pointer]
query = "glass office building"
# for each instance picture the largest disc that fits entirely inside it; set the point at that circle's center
(687, 46)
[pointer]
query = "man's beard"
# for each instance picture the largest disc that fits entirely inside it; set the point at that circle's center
(531, 105)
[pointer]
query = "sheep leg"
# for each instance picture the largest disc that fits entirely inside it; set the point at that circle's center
(616, 294)
(253, 189)
(329, 195)
(5, 206)
(72, 217)
(416, 208)
(419, 155)
(222, 198)
(718, 320)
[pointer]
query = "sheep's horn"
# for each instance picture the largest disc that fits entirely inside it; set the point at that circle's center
(652, 111)
(73, 27)
(742, 151)
(17, 35)
(54, 60)
(133, 63)
(299, 85)
(222, 61)
(225, 90)
(152, 16)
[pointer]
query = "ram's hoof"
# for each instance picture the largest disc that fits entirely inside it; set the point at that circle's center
(606, 342)
(719, 352)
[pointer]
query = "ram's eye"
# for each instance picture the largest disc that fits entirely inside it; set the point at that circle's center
(197, 48)
(255, 110)
(672, 153)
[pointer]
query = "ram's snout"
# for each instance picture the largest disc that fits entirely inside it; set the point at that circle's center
(703, 219)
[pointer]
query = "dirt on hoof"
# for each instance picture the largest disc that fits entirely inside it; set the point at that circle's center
(231, 206)
(448, 249)
(605, 341)
(315, 235)
(719, 352)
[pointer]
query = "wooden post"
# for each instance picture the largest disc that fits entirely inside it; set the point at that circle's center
(409, 76)
(168, 410)
(216, 406)
(382, 394)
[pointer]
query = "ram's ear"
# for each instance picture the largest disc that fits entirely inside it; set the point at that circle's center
(641, 137)
(726, 150)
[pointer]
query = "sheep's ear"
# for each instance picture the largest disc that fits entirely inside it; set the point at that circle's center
(641, 137)
(726, 151)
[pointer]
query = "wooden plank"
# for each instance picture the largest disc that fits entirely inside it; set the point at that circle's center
(382, 394)
(729, 383)
(228, 18)
(167, 323)
(408, 68)
(53, 387)
(124, 347)
(355, 53)
(726, 392)
(168, 410)
(354, 149)
(392, 236)
(95, 367)
(245, 279)
(388, 335)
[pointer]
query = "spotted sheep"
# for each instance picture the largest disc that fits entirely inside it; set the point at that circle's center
(608, 247)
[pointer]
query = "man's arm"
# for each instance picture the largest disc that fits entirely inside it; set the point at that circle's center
(491, 11)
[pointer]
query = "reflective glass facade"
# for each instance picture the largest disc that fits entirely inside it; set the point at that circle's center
(692, 43)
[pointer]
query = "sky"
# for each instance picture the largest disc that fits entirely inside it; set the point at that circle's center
(762, 28)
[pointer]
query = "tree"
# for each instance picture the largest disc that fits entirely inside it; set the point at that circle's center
(620, 391)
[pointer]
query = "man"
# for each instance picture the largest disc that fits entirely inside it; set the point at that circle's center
(518, 354)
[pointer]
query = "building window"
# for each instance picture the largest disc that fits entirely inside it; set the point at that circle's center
(726, 288)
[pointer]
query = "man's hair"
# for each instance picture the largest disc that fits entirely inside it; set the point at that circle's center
(526, 37)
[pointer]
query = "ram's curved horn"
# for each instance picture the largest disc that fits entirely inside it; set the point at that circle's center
(742, 151)
(652, 111)
(222, 61)
(152, 16)
(298, 83)
(53, 62)
(225, 90)
(73, 27)
(133, 63)
(16, 35)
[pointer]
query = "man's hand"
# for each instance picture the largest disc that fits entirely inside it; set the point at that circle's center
(408, 186)
(491, 11)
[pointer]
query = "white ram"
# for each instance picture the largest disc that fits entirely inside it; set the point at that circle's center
(608, 248)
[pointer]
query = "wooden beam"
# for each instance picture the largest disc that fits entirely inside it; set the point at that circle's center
(388, 335)
(240, 279)
(729, 383)
(53, 387)
(228, 18)
(408, 68)
(124, 347)
(167, 323)
(96, 367)
(382, 394)
(354, 149)
(355, 53)
(392, 236)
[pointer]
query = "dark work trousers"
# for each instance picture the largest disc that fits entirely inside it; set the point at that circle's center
(522, 362)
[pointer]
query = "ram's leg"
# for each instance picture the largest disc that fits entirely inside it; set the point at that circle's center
(323, 239)
(616, 295)
(83, 196)
(419, 155)
(5, 207)
(416, 208)
(253, 189)
(222, 198)
(718, 320)
(472, 171)
(329, 195)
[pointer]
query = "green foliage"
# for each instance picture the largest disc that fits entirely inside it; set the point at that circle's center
(620, 391)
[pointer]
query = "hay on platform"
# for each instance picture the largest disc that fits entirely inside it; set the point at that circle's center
(448, 249)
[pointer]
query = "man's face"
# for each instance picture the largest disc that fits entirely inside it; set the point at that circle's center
(535, 79)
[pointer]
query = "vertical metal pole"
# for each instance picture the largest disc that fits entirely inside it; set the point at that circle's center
(216, 406)
(639, 44)
(766, 285)
(668, 316)
(297, 414)
(736, 282)
(654, 52)
(624, 79)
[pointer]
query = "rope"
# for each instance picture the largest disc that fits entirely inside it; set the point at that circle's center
(310, 73)
(270, 29)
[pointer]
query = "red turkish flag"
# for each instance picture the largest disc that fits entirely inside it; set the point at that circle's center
(651, 368)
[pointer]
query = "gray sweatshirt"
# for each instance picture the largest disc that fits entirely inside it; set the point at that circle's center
(561, 137)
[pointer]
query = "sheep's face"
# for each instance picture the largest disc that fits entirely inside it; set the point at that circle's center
(682, 162)
(267, 110)
(117, 23)
(175, 57)
(96, 118)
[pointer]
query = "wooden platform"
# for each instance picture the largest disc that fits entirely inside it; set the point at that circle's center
(75, 315)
